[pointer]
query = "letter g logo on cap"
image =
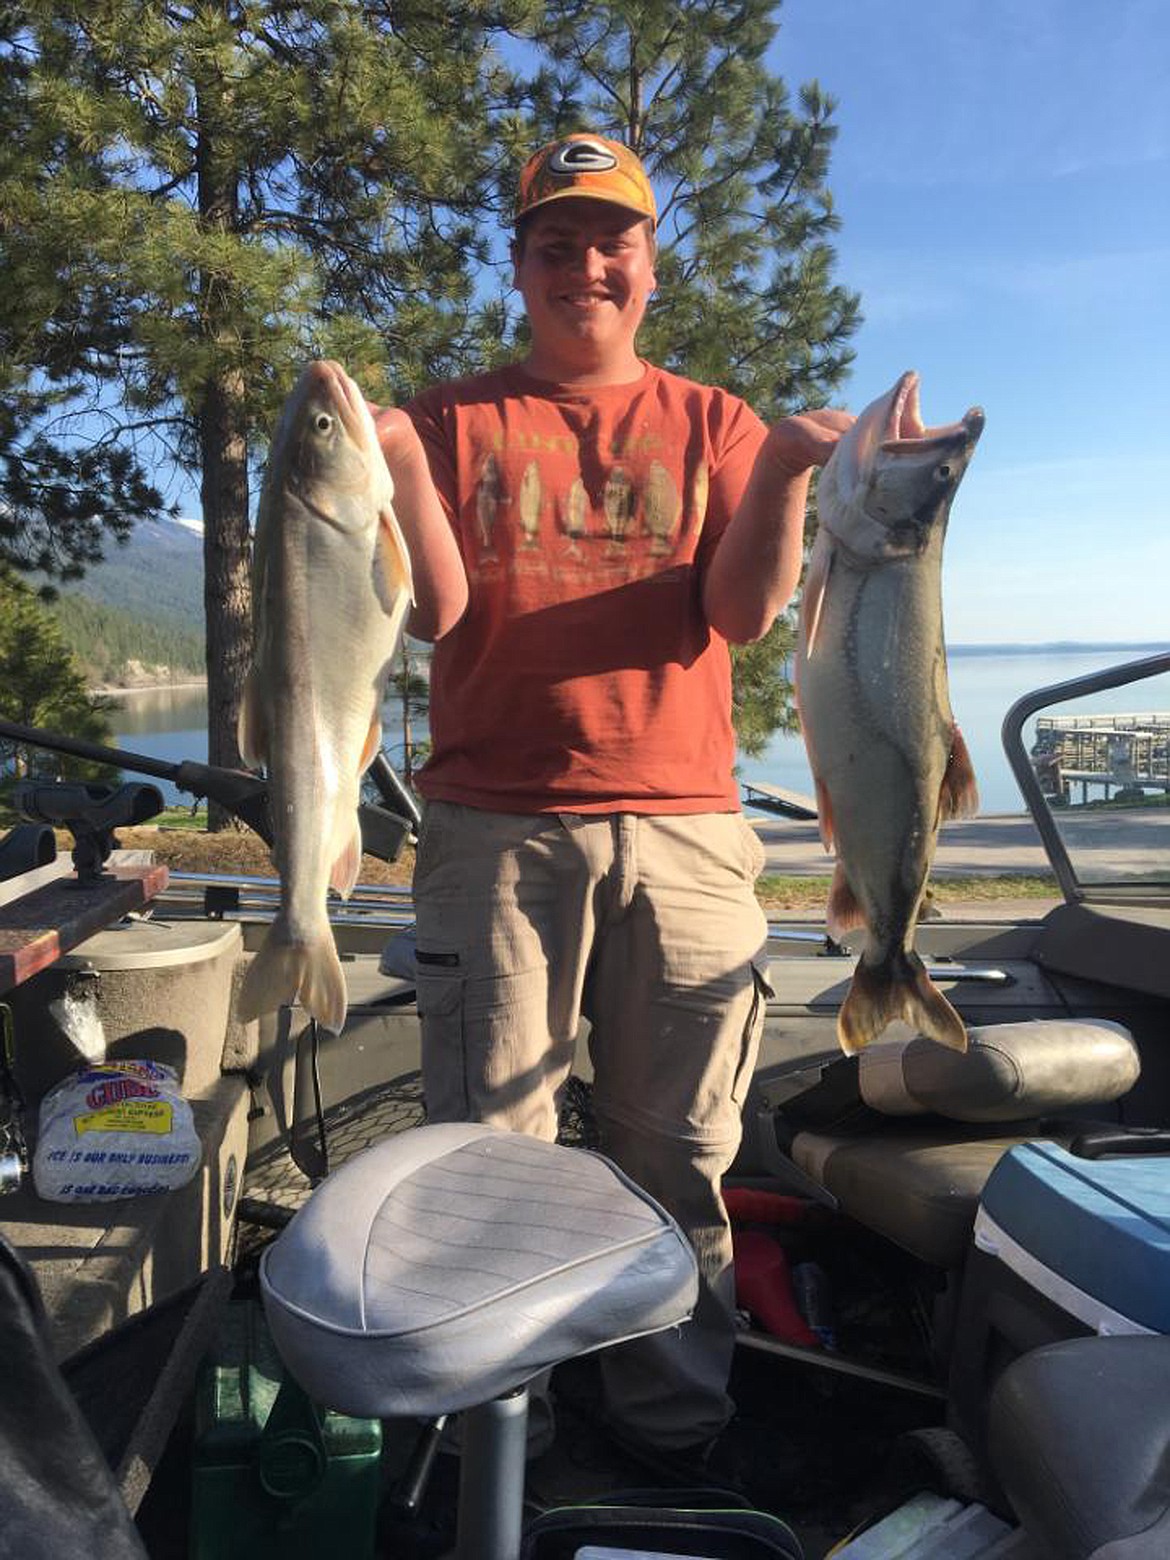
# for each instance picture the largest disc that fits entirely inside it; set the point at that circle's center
(581, 157)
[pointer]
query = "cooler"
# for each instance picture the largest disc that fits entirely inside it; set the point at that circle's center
(1064, 1247)
(275, 1477)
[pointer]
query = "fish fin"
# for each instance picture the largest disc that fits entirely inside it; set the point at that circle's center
(897, 988)
(348, 865)
(844, 913)
(285, 969)
(251, 731)
(824, 813)
(371, 745)
(392, 574)
(959, 797)
(816, 582)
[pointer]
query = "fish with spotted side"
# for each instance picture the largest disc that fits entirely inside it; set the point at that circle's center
(887, 757)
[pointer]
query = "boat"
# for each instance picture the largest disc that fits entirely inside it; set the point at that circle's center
(953, 1269)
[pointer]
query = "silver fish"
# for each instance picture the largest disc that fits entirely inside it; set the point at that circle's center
(888, 761)
(331, 585)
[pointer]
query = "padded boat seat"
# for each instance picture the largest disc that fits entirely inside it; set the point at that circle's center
(918, 1188)
(917, 1179)
(448, 1265)
(1080, 1439)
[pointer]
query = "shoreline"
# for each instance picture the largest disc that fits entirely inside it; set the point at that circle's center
(117, 691)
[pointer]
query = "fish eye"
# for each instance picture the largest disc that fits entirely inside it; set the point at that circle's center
(323, 422)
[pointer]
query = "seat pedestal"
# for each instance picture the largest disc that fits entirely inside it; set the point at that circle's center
(494, 1443)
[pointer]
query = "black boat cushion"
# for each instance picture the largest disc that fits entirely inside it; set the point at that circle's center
(1010, 1072)
(1079, 1436)
(449, 1264)
(919, 1187)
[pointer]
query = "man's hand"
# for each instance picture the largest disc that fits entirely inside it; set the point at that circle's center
(440, 584)
(757, 561)
(806, 439)
(396, 436)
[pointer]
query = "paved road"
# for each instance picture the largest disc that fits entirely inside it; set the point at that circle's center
(1120, 843)
(992, 845)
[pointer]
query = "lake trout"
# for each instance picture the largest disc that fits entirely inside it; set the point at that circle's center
(331, 586)
(888, 760)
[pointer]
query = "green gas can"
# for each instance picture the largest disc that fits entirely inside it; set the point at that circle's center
(276, 1477)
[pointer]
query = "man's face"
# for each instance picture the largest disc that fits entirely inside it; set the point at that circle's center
(586, 272)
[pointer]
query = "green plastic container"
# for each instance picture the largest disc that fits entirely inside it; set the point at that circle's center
(275, 1477)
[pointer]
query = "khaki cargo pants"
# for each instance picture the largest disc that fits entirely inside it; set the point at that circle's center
(649, 927)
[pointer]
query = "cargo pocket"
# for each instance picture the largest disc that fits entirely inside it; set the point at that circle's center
(754, 855)
(753, 1030)
(439, 994)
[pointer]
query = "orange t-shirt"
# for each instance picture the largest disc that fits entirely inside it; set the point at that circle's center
(583, 676)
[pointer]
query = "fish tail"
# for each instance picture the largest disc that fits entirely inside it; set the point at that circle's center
(286, 968)
(896, 988)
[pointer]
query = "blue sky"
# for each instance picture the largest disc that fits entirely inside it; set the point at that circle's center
(1002, 174)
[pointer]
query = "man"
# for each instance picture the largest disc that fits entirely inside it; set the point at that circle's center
(599, 530)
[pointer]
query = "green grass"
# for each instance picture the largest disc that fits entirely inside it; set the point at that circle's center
(182, 818)
(1023, 886)
(805, 891)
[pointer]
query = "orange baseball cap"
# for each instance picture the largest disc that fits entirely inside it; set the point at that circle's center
(587, 165)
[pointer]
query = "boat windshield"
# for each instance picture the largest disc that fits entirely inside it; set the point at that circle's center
(1092, 760)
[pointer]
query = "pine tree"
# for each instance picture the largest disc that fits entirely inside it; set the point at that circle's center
(225, 188)
(40, 682)
(746, 297)
(65, 492)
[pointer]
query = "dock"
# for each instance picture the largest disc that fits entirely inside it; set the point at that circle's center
(775, 799)
(1122, 756)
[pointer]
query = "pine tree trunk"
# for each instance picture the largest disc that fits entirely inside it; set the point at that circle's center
(226, 563)
(224, 450)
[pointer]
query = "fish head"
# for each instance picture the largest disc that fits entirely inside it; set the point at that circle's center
(326, 452)
(886, 491)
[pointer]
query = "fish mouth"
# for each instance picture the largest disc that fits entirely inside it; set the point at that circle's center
(905, 433)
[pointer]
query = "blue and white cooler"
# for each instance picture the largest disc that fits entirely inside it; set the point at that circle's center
(1064, 1246)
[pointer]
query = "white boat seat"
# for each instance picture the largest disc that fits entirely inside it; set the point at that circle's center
(448, 1265)
(916, 1177)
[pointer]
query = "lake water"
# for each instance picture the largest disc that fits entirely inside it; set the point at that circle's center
(171, 724)
(983, 688)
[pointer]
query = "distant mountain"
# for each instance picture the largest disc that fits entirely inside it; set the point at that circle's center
(1060, 647)
(136, 618)
(125, 650)
(157, 575)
